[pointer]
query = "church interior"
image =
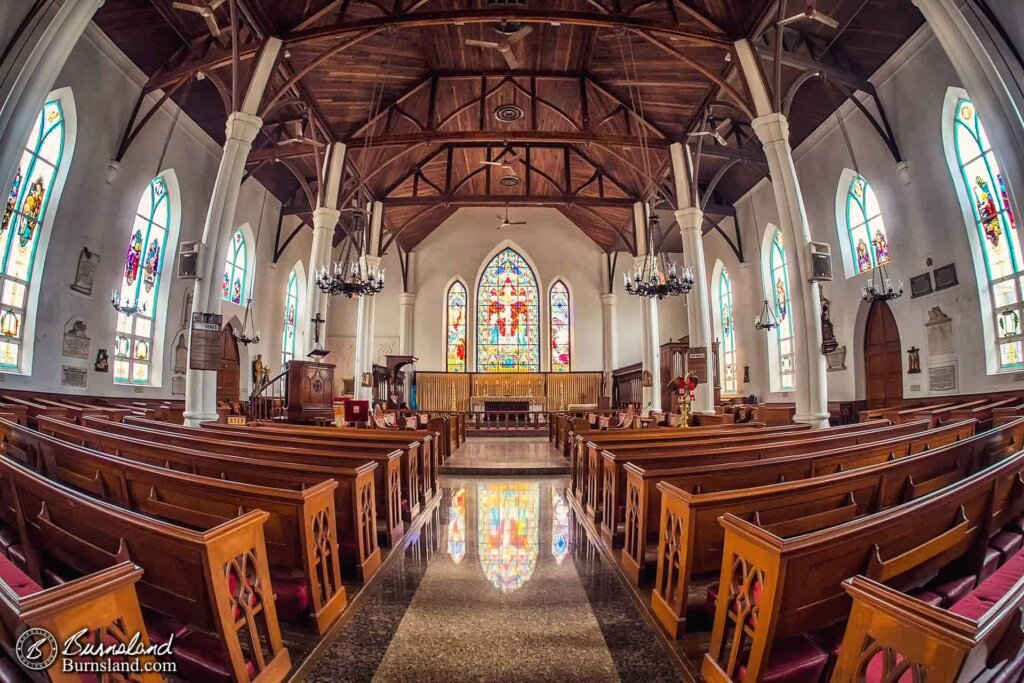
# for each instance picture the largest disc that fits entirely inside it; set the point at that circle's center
(512, 340)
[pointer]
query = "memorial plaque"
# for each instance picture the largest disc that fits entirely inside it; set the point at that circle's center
(942, 378)
(70, 376)
(85, 275)
(205, 343)
(697, 362)
(920, 285)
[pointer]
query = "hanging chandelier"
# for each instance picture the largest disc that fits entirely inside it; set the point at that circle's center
(883, 289)
(657, 277)
(124, 305)
(351, 277)
(245, 338)
(767, 320)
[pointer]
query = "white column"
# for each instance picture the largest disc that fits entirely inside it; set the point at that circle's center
(994, 82)
(772, 130)
(325, 218)
(610, 348)
(242, 127)
(651, 350)
(365, 313)
(29, 69)
(698, 312)
(406, 311)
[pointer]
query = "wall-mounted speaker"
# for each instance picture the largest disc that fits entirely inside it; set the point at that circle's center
(821, 261)
(190, 260)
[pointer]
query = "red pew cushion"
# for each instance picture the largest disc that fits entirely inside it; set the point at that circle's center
(292, 595)
(993, 558)
(201, 657)
(18, 581)
(793, 660)
(954, 590)
(927, 597)
(16, 553)
(876, 669)
(1007, 543)
(989, 593)
(8, 537)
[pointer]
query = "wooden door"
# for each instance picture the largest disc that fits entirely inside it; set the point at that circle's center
(229, 372)
(883, 357)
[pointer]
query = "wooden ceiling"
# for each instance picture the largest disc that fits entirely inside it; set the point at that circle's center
(604, 86)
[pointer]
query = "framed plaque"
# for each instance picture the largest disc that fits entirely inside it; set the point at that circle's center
(205, 347)
(945, 277)
(921, 285)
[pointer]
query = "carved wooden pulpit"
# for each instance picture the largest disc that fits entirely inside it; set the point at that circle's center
(310, 391)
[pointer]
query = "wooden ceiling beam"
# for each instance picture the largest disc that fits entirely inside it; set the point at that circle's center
(830, 71)
(472, 138)
(511, 200)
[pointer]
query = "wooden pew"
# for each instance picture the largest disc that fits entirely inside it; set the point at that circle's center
(103, 602)
(942, 413)
(607, 484)
(983, 413)
(34, 409)
(75, 412)
(690, 540)
(393, 475)
(300, 533)
(775, 587)
(217, 580)
(643, 495)
(418, 475)
(357, 497)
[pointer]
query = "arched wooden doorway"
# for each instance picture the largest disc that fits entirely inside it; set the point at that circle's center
(229, 372)
(883, 357)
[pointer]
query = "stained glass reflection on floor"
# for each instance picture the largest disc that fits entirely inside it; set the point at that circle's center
(500, 584)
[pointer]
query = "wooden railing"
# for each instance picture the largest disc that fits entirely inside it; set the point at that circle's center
(270, 401)
(506, 420)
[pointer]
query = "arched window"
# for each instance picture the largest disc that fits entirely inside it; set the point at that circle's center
(291, 313)
(780, 343)
(455, 324)
(140, 285)
(507, 316)
(865, 229)
(978, 174)
(561, 330)
(726, 333)
(235, 269)
(21, 230)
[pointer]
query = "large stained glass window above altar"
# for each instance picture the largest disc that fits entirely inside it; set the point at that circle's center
(508, 335)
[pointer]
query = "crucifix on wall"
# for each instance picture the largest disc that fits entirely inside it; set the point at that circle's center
(318, 348)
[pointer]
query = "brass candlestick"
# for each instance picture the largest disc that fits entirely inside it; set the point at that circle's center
(685, 384)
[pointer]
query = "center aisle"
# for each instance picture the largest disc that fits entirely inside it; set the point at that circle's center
(500, 584)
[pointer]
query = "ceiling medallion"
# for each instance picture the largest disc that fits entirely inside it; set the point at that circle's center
(507, 113)
(509, 180)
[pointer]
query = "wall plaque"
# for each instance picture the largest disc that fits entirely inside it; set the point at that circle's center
(942, 378)
(945, 277)
(70, 376)
(85, 274)
(697, 362)
(920, 285)
(76, 339)
(205, 344)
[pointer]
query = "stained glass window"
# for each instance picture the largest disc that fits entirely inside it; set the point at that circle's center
(508, 532)
(560, 328)
(291, 312)
(455, 324)
(233, 285)
(869, 245)
(997, 230)
(24, 212)
(140, 285)
(784, 362)
(507, 338)
(727, 333)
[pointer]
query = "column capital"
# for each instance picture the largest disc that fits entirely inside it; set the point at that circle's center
(243, 127)
(771, 128)
(690, 219)
(407, 298)
(372, 261)
(325, 218)
(609, 299)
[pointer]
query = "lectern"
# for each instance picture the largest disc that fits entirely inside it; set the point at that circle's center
(310, 391)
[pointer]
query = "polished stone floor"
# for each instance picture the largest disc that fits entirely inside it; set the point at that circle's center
(500, 584)
(511, 456)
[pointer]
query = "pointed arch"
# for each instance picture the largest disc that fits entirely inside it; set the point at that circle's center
(991, 230)
(26, 224)
(560, 325)
(863, 239)
(153, 236)
(508, 313)
(236, 284)
(456, 324)
(776, 284)
(294, 307)
(724, 324)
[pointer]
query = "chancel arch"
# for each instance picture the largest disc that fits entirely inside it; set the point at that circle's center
(508, 313)
(152, 241)
(29, 210)
(991, 230)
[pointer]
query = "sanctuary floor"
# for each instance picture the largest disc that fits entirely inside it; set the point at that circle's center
(501, 583)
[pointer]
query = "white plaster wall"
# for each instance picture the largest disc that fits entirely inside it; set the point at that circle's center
(12, 13)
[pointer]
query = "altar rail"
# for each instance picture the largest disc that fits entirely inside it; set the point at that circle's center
(453, 390)
(507, 421)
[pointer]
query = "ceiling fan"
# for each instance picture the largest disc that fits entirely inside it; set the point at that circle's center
(504, 46)
(510, 178)
(298, 137)
(811, 12)
(206, 12)
(506, 223)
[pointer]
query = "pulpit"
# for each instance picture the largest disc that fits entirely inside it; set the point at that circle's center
(310, 391)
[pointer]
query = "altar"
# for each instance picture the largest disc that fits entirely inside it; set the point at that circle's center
(482, 392)
(507, 404)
